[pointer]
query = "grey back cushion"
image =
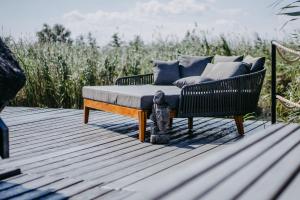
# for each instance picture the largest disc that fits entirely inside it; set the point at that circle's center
(165, 72)
(214, 72)
(193, 65)
(219, 58)
(224, 70)
(257, 63)
(191, 80)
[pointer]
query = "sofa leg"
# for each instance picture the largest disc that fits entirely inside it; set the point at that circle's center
(239, 124)
(86, 114)
(171, 123)
(142, 125)
(190, 123)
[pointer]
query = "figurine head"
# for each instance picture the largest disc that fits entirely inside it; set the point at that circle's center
(159, 97)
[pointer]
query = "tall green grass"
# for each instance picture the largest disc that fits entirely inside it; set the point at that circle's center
(56, 72)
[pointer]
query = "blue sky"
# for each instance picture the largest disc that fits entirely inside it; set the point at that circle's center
(148, 18)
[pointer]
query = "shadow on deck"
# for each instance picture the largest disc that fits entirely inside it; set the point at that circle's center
(61, 157)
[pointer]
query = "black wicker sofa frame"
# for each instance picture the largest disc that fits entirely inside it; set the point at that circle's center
(235, 97)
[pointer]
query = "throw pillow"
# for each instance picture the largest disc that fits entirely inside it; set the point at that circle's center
(191, 80)
(257, 63)
(224, 70)
(193, 65)
(165, 72)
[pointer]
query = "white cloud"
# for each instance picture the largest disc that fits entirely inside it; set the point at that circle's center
(148, 19)
(232, 11)
(150, 8)
(145, 19)
(225, 22)
(171, 7)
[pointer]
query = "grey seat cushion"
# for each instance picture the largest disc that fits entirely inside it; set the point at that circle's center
(219, 58)
(257, 63)
(191, 80)
(134, 96)
(224, 70)
(165, 72)
(193, 65)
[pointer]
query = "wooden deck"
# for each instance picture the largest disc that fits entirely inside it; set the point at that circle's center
(60, 157)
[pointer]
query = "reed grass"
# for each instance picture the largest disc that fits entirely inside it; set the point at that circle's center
(56, 72)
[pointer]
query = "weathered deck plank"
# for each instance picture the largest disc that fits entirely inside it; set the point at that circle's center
(259, 167)
(292, 190)
(118, 147)
(174, 169)
(61, 157)
(243, 162)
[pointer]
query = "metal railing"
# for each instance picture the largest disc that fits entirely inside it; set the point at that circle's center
(277, 47)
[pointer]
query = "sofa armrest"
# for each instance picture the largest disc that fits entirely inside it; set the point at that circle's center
(234, 96)
(135, 80)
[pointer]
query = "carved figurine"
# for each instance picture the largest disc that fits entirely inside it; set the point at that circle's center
(161, 119)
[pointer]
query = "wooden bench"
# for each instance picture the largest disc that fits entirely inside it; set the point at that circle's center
(235, 96)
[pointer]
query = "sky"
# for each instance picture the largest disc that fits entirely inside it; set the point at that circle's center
(151, 19)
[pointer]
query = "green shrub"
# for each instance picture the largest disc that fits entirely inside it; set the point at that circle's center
(56, 72)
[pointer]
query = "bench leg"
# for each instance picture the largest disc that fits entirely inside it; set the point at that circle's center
(190, 123)
(86, 114)
(142, 125)
(239, 124)
(171, 123)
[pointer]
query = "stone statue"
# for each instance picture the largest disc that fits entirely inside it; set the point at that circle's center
(161, 119)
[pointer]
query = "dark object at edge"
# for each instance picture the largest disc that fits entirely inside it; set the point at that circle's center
(4, 142)
(12, 79)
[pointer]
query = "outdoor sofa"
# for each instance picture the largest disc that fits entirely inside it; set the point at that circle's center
(190, 95)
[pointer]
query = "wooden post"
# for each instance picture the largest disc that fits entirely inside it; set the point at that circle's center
(273, 84)
(4, 140)
(142, 117)
(190, 123)
(239, 124)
